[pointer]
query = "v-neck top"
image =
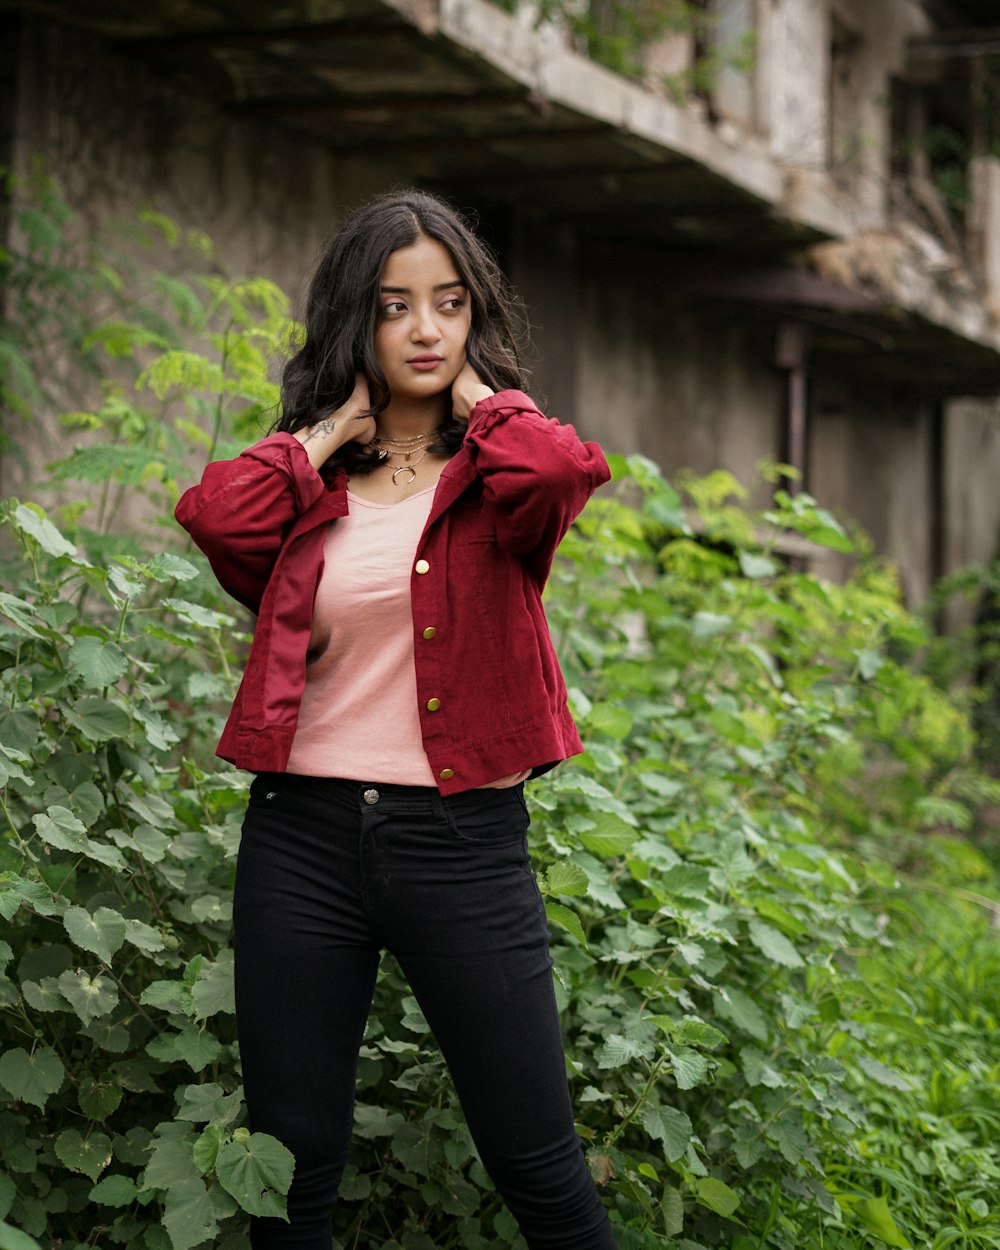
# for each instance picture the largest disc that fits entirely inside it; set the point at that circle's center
(359, 716)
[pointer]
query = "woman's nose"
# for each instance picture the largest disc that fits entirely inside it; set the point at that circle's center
(425, 327)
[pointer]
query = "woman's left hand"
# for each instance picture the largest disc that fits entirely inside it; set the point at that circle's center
(466, 391)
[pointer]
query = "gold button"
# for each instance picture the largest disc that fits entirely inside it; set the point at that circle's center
(422, 566)
(446, 774)
(430, 631)
(433, 705)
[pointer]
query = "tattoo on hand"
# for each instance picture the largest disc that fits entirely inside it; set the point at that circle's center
(320, 429)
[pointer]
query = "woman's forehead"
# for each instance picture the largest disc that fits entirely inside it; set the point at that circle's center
(425, 262)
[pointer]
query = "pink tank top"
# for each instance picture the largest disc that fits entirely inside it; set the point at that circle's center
(359, 711)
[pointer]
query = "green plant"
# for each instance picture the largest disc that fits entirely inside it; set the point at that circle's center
(615, 33)
(772, 1032)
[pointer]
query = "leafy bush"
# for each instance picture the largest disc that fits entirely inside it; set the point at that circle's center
(772, 1036)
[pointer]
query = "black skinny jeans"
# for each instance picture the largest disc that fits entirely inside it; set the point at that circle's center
(329, 873)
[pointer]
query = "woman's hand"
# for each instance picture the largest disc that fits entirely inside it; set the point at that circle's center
(347, 424)
(466, 391)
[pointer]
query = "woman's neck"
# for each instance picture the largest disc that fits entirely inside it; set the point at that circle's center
(405, 420)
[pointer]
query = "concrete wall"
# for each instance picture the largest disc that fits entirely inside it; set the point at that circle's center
(120, 139)
(620, 355)
(972, 500)
(870, 461)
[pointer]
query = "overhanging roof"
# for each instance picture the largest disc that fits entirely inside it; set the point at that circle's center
(479, 103)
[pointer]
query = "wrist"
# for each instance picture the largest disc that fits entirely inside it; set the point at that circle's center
(469, 396)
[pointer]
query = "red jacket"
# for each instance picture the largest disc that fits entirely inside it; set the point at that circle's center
(481, 641)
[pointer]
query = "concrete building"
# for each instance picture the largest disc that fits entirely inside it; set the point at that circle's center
(796, 258)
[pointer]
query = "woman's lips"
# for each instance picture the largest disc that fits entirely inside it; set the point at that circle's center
(424, 364)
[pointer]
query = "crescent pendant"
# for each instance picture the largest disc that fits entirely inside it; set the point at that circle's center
(404, 468)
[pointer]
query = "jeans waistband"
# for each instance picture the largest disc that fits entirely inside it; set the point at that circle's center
(390, 794)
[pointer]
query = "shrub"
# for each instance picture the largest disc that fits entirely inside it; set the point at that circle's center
(764, 1017)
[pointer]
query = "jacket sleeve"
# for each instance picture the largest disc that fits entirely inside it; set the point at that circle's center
(536, 472)
(241, 511)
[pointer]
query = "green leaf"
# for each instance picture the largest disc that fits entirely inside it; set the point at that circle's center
(672, 1209)
(689, 1067)
(874, 1213)
(209, 1103)
(759, 1070)
(32, 1077)
(774, 945)
(257, 1173)
(99, 1097)
(566, 919)
(165, 566)
(14, 1239)
(62, 829)
(89, 1155)
(206, 1148)
(611, 719)
(618, 1050)
(30, 519)
(610, 836)
(716, 1195)
(101, 933)
(90, 997)
(789, 1135)
(671, 1127)
(20, 612)
(756, 566)
(564, 877)
(97, 719)
(143, 936)
(114, 1191)
(870, 663)
(372, 1122)
(188, 1214)
(171, 1160)
(213, 992)
(98, 663)
(688, 880)
(740, 1009)
(883, 1075)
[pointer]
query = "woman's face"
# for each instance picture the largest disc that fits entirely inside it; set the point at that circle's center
(424, 318)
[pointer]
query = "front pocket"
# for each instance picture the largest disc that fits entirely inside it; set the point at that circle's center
(488, 817)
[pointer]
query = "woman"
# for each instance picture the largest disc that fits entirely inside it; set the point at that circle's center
(394, 537)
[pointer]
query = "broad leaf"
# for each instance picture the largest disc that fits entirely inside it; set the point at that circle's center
(101, 933)
(673, 1128)
(188, 1214)
(257, 1172)
(32, 1077)
(89, 1155)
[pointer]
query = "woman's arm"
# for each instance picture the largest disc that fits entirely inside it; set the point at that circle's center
(242, 510)
(537, 472)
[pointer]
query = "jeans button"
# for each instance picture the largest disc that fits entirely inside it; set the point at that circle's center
(370, 797)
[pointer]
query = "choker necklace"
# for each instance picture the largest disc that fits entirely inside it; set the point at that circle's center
(403, 446)
(386, 448)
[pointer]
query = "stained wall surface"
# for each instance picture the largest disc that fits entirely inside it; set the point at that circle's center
(628, 360)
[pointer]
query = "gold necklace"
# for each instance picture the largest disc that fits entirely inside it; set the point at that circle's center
(404, 468)
(402, 446)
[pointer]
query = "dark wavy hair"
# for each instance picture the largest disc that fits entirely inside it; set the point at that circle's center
(343, 308)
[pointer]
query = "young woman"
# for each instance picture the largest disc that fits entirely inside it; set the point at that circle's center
(394, 537)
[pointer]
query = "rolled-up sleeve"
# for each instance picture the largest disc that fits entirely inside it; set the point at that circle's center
(536, 471)
(241, 511)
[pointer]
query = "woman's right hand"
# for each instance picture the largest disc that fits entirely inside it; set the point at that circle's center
(346, 424)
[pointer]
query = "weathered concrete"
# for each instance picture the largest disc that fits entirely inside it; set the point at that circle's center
(677, 372)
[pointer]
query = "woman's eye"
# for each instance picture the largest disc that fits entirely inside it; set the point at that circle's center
(394, 306)
(455, 304)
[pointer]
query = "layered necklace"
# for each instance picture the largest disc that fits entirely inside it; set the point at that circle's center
(407, 448)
